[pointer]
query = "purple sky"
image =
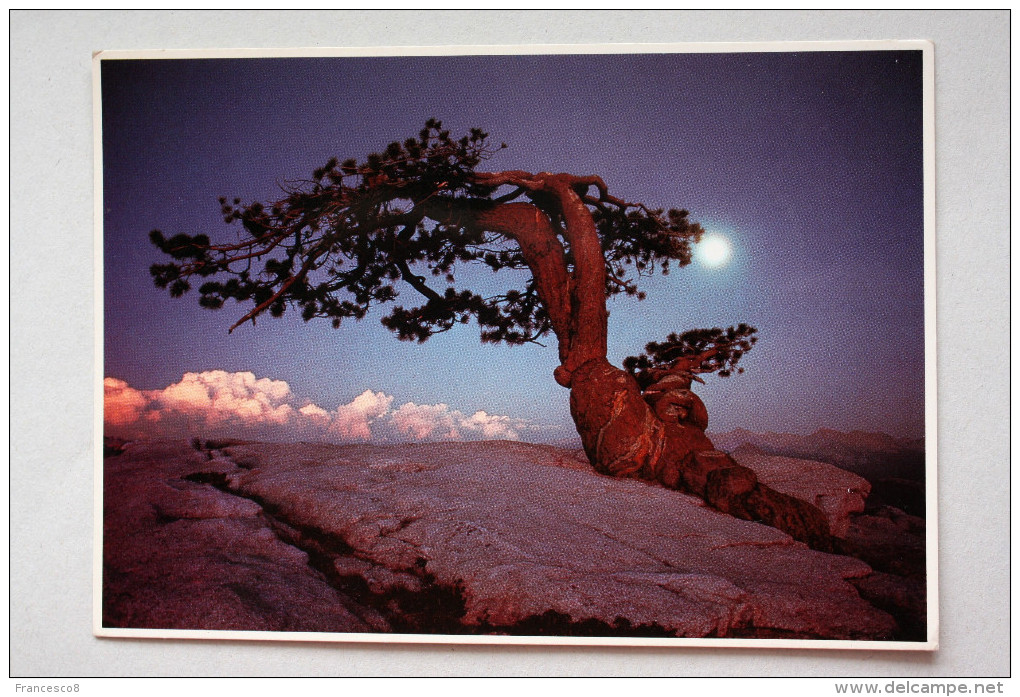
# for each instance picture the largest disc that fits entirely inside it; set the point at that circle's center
(810, 163)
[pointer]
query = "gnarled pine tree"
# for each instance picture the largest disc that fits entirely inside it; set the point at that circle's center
(341, 242)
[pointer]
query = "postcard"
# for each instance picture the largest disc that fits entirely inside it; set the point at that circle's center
(611, 345)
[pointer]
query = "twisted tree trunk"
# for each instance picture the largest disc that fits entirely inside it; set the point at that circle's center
(622, 434)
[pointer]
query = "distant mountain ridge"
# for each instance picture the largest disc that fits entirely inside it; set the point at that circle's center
(874, 456)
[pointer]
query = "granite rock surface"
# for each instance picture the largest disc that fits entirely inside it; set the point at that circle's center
(484, 537)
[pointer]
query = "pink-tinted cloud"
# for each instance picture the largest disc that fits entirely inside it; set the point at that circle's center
(438, 421)
(494, 426)
(122, 404)
(422, 421)
(217, 397)
(353, 421)
(216, 402)
(315, 412)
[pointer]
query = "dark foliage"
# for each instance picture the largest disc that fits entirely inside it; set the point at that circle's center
(338, 243)
(713, 350)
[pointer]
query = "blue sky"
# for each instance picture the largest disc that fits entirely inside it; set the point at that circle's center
(809, 163)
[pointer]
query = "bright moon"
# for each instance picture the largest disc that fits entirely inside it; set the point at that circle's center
(714, 250)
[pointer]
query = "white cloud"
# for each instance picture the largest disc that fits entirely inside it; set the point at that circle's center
(493, 426)
(223, 403)
(423, 421)
(438, 421)
(353, 421)
(122, 403)
(314, 411)
(217, 397)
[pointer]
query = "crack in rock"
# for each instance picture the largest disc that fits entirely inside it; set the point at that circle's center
(495, 540)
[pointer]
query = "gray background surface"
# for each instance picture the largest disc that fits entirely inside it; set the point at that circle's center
(52, 354)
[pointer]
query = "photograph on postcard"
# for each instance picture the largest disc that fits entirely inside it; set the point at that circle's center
(579, 346)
